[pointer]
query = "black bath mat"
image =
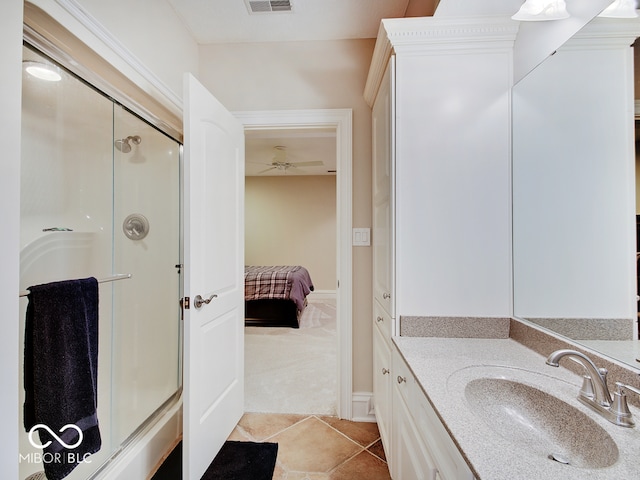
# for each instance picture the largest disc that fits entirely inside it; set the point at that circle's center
(235, 461)
(243, 461)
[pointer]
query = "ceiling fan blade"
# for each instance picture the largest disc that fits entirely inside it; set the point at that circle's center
(266, 170)
(316, 163)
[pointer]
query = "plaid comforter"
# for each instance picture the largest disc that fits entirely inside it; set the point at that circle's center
(277, 282)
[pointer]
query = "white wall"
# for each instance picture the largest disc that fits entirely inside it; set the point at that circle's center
(306, 75)
(152, 32)
(10, 88)
(291, 220)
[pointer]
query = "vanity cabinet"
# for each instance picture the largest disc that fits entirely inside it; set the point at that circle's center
(421, 447)
(409, 453)
(441, 195)
(441, 167)
(384, 324)
(382, 388)
(411, 457)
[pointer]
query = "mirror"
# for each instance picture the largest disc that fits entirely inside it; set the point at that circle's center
(574, 246)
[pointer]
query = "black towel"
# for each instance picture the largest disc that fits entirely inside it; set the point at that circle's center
(61, 372)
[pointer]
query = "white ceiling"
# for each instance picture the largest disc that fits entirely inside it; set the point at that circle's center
(225, 21)
(231, 21)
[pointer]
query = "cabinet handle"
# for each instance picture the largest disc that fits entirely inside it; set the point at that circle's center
(379, 319)
(386, 295)
(401, 379)
(384, 371)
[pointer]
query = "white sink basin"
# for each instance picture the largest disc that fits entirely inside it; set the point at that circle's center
(513, 403)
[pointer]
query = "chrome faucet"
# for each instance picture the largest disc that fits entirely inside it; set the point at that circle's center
(595, 392)
(597, 375)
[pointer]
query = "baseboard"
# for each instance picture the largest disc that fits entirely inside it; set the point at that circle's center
(320, 295)
(362, 407)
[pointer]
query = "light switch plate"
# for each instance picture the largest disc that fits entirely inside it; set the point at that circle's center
(361, 237)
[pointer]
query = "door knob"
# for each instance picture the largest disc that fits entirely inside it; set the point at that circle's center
(198, 301)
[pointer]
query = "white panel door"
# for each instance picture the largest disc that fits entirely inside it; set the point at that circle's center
(214, 269)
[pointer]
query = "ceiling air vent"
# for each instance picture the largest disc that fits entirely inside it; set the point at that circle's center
(266, 6)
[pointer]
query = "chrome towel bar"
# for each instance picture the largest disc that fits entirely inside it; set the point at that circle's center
(112, 278)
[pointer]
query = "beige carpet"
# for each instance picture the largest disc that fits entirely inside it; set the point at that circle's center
(290, 370)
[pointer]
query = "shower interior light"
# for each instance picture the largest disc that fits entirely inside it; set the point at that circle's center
(620, 9)
(42, 71)
(541, 10)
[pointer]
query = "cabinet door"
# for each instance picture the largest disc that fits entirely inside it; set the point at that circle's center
(383, 192)
(382, 389)
(411, 459)
(382, 321)
(448, 459)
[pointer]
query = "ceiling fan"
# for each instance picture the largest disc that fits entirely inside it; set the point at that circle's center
(279, 161)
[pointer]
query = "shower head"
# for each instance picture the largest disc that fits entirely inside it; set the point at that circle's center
(123, 144)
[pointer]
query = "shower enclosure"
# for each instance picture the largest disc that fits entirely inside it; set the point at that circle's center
(100, 197)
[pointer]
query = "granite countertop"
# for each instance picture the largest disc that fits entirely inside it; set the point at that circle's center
(443, 366)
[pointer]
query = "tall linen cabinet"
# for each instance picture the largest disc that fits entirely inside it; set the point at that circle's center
(440, 96)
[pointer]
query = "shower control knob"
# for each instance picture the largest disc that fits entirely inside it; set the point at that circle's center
(135, 226)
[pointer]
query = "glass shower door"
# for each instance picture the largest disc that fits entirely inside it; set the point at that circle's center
(66, 214)
(100, 195)
(146, 324)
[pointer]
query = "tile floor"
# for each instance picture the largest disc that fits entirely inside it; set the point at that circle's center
(313, 447)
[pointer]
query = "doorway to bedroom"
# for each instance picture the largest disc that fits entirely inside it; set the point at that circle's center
(293, 216)
(290, 220)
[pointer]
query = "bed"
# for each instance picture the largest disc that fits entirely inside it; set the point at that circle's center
(275, 296)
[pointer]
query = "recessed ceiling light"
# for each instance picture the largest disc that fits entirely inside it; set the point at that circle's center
(42, 71)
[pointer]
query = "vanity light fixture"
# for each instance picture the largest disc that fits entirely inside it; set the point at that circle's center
(42, 71)
(620, 9)
(541, 10)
